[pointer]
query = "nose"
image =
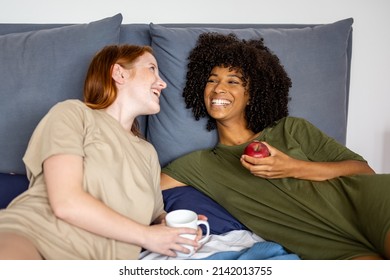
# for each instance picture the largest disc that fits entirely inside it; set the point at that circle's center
(219, 88)
(161, 83)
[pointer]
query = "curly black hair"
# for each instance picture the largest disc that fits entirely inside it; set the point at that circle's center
(268, 81)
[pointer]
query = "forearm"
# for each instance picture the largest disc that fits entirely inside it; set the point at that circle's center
(86, 212)
(319, 171)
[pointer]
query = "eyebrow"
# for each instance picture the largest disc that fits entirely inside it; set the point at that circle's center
(230, 75)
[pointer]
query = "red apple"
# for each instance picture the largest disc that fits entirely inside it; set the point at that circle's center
(256, 149)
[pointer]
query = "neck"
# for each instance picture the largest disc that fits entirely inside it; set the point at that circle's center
(235, 135)
(121, 116)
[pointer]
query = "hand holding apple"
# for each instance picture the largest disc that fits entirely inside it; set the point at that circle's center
(256, 149)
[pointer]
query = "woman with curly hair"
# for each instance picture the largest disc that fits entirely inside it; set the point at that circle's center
(312, 195)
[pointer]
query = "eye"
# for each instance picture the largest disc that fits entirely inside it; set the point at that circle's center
(153, 68)
(209, 81)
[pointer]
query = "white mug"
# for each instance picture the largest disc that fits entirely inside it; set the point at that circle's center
(187, 218)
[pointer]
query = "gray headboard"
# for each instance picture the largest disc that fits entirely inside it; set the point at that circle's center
(41, 64)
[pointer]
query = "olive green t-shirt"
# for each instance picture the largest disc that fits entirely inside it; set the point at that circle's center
(316, 220)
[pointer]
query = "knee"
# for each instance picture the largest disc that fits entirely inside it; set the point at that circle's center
(17, 247)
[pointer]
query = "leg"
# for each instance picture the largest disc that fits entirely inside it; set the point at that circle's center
(370, 257)
(378, 257)
(17, 247)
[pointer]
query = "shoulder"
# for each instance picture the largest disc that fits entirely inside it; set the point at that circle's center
(291, 121)
(189, 159)
(70, 105)
(71, 110)
(193, 156)
(65, 115)
(147, 147)
(293, 124)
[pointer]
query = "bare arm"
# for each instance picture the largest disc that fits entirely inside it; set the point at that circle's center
(167, 182)
(64, 178)
(280, 165)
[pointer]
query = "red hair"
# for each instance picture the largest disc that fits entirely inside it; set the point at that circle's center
(99, 87)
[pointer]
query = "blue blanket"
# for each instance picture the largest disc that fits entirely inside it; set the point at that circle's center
(259, 251)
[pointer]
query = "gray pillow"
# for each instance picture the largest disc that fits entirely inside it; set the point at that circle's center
(38, 69)
(316, 58)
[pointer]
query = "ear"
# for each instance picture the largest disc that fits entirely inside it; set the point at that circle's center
(117, 73)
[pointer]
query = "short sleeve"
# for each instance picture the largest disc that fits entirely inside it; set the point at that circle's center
(316, 144)
(61, 131)
(187, 168)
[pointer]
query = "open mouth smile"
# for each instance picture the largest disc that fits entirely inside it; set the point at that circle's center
(220, 102)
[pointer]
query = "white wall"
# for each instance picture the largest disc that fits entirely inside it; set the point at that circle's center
(369, 111)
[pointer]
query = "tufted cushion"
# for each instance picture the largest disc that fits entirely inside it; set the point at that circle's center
(316, 58)
(38, 69)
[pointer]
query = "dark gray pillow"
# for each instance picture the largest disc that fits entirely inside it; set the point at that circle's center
(38, 69)
(315, 57)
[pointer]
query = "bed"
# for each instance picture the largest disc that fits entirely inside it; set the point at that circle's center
(316, 56)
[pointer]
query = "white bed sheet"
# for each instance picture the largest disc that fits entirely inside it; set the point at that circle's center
(235, 240)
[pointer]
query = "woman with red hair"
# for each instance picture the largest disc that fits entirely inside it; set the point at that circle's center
(94, 181)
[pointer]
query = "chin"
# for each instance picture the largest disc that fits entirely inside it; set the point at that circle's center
(155, 111)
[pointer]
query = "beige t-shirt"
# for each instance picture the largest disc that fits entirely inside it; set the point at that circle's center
(120, 169)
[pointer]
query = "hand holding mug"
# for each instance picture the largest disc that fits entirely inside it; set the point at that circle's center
(187, 218)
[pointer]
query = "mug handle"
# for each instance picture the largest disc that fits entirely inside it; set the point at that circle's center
(206, 224)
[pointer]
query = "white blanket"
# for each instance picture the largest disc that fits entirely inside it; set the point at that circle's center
(236, 240)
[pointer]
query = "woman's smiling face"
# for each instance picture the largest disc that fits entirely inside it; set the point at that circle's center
(145, 84)
(226, 95)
